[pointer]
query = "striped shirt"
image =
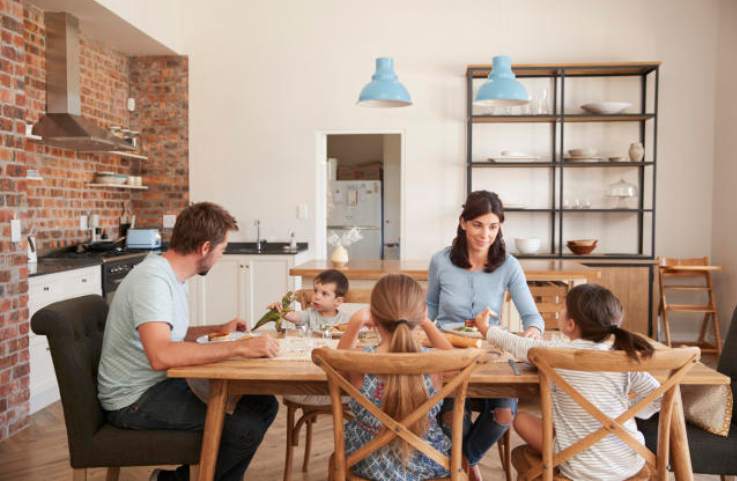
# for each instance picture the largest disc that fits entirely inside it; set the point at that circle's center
(610, 459)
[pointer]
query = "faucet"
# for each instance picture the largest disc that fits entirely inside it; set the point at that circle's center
(258, 235)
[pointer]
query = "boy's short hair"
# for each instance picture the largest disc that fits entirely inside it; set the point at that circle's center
(332, 276)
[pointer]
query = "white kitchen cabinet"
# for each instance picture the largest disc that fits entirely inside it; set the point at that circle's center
(240, 285)
(42, 291)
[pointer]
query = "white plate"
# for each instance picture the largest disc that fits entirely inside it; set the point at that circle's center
(453, 326)
(570, 158)
(606, 108)
(233, 336)
(514, 158)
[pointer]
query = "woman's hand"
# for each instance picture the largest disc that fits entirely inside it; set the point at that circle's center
(532, 332)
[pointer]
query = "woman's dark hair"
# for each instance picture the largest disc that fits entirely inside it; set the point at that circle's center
(598, 313)
(478, 203)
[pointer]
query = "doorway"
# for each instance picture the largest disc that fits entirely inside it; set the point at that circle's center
(362, 192)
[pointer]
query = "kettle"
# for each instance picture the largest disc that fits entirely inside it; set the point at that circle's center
(31, 253)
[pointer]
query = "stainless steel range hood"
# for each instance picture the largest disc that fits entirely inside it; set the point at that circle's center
(63, 125)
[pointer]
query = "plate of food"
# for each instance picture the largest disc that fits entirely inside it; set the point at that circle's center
(217, 336)
(461, 329)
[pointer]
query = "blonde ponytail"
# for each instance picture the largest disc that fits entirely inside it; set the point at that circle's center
(398, 304)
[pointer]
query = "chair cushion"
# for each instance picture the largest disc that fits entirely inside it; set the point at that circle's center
(127, 447)
(710, 454)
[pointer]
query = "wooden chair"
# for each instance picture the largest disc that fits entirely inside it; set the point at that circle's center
(335, 363)
(550, 300)
(677, 361)
(683, 271)
(309, 412)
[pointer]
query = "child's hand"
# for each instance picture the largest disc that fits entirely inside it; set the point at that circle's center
(362, 317)
(275, 307)
(482, 321)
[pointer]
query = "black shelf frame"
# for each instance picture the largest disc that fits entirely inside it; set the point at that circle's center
(558, 120)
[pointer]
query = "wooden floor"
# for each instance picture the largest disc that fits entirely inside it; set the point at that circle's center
(39, 453)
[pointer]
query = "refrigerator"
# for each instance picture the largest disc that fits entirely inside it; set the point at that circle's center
(357, 203)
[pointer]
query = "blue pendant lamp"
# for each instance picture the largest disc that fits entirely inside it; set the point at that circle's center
(384, 90)
(502, 89)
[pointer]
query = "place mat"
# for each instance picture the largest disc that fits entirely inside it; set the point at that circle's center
(300, 348)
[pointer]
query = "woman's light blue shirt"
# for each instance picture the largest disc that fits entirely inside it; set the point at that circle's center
(455, 294)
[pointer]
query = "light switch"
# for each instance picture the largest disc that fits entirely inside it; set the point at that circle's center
(15, 230)
(83, 222)
(169, 221)
(302, 212)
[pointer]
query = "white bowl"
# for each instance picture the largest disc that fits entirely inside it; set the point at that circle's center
(527, 246)
(582, 152)
(606, 108)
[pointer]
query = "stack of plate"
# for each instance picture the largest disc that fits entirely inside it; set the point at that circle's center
(582, 155)
(511, 156)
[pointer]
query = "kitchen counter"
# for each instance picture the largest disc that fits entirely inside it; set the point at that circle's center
(53, 265)
(535, 270)
(267, 248)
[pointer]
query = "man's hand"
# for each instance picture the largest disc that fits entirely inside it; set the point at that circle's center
(532, 332)
(235, 324)
(257, 346)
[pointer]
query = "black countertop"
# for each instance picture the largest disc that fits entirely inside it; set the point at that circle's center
(53, 265)
(267, 248)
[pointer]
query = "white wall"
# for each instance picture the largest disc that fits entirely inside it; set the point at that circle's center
(160, 19)
(265, 76)
(724, 233)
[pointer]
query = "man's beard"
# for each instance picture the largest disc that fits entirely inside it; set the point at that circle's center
(204, 267)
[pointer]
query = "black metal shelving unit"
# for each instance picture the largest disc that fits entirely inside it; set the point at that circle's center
(558, 119)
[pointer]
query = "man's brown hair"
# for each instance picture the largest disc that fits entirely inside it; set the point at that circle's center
(199, 223)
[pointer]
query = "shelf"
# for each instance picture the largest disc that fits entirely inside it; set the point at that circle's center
(32, 178)
(593, 256)
(561, 164)
(119, 186)
(522, 209)
(34, 137)
(593, 69)
(506, 119)
(582, 211)
(128, 155)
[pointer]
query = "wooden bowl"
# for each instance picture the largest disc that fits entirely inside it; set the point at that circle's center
(581, 250)
(583, 242)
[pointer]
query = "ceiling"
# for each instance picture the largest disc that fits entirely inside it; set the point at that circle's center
(99, 23)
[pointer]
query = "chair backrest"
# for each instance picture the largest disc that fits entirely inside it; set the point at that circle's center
(74, 329)
(337, 362)
(353, 296)
(676, 361)
(550, 300)
(728, 360)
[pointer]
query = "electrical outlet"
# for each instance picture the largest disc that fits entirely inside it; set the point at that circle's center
(302, 212)
(15, 230)
(83, 222)
(169, 221)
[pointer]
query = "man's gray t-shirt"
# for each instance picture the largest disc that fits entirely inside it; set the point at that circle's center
(150, 292)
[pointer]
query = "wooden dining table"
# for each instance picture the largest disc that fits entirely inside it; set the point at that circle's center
(490, 380)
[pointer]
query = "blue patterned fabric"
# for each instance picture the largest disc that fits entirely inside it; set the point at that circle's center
(385, 464)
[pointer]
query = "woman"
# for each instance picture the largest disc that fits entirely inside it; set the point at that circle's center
(464, 280)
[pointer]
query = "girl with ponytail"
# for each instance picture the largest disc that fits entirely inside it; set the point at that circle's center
(593, 320)
(397, 309)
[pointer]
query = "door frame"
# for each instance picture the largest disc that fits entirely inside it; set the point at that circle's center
(321, 184)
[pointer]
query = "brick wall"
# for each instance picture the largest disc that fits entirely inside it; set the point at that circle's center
(159, 85)
(51, 208)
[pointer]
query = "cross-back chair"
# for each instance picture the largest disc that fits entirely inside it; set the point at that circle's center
(550, 300)
(310, 411)
(336, 363)
(677, 361)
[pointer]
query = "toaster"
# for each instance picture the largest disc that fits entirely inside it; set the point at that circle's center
(143, 239)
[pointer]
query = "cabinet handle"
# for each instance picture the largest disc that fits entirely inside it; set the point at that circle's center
(46, 288)
(84, 280)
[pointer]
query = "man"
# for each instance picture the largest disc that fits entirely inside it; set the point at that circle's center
(147, 332)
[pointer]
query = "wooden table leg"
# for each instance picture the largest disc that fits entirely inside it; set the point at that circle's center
(679, 453)
(213, 428)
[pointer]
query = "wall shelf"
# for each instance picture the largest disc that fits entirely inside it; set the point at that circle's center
(127, 155)
(644, 119)
(119, 186)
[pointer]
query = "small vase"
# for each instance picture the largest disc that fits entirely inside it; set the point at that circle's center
(339, 257)
(637, 152)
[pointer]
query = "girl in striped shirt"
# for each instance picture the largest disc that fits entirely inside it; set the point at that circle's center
(593, 316)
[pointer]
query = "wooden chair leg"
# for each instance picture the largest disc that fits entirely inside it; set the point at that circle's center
(666, 327)
(308, 445)
(80, 474)
(289, 443)
(505, 453)
(702, 329)
(113, 473)
(194, 472)
(717, 333)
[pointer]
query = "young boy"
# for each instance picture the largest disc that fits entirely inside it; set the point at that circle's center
(329, 289)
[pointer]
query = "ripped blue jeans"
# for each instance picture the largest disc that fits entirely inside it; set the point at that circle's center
(481, 434)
